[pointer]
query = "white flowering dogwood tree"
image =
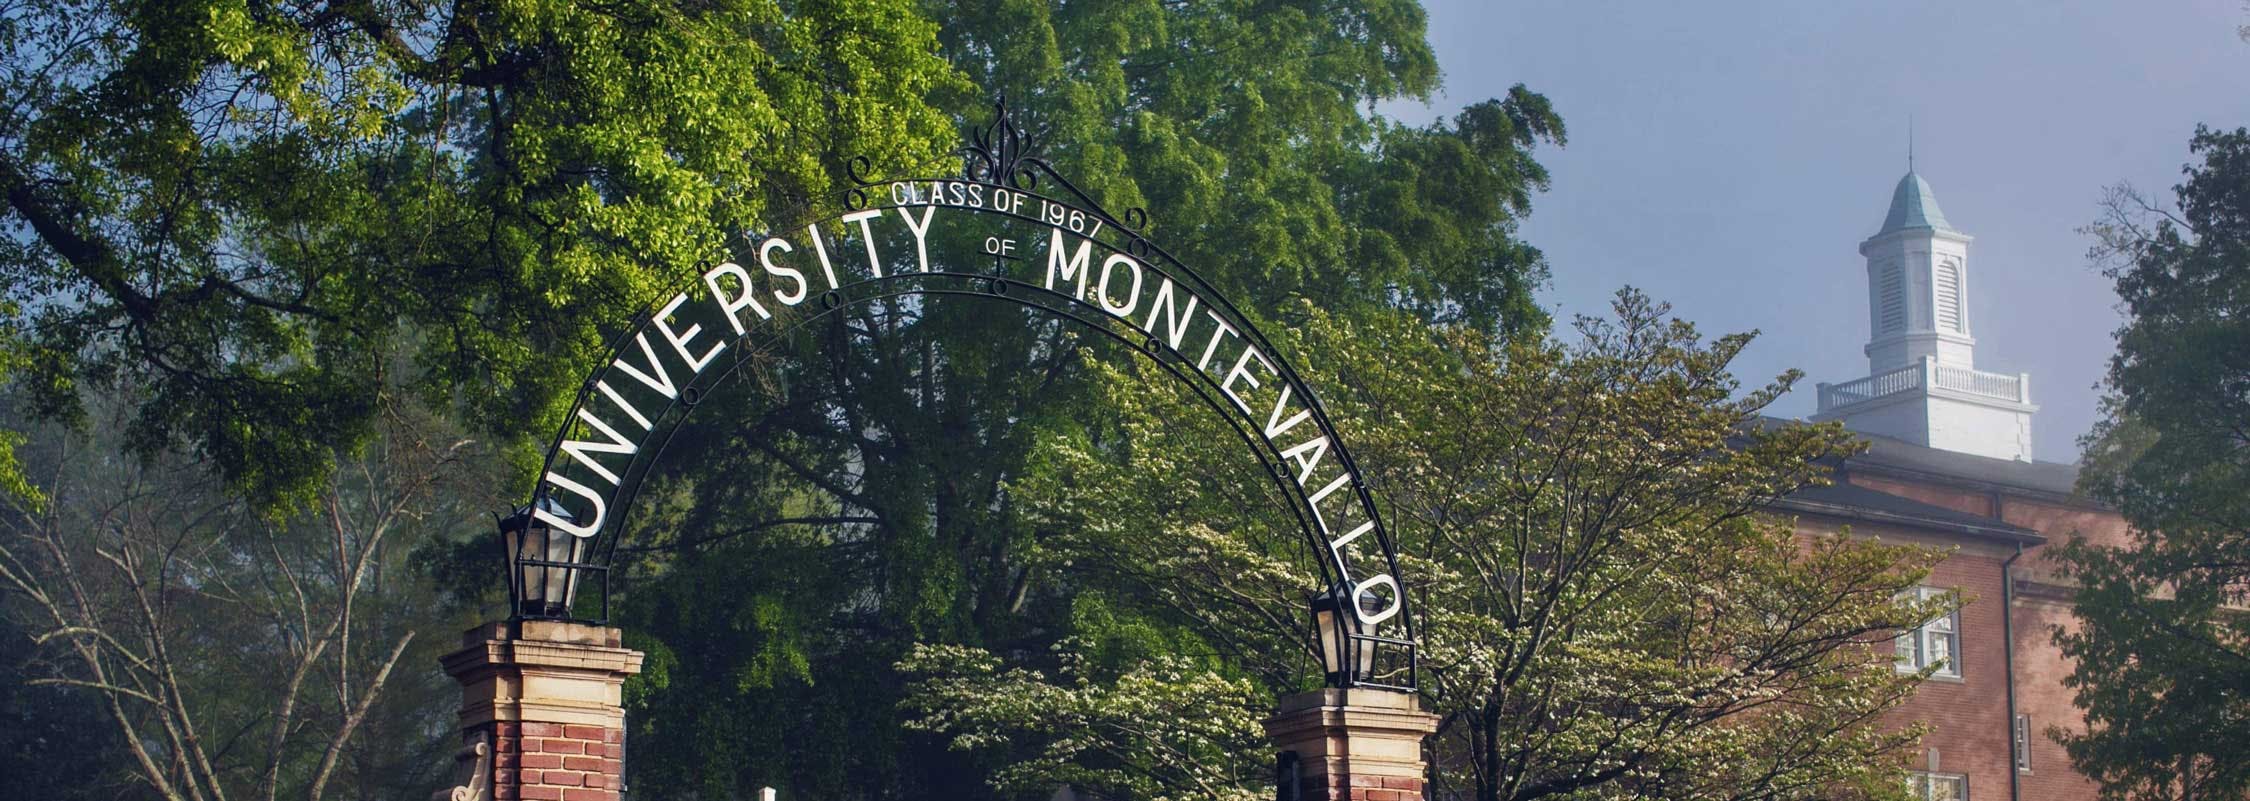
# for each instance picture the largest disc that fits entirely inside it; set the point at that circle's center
(1610, 611)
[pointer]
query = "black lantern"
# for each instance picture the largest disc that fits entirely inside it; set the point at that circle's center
(1343, 657)
(543, 564)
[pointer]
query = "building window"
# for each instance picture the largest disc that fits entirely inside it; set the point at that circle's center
(1935, 643)
(1949, 295)
(2023, 743)
(1937, 786)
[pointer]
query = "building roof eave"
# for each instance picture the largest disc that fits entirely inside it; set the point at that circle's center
(1847, 502)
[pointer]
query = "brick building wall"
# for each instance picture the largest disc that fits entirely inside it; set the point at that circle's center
(2040, 694)
(1968, 716)
(2060, 522)
(1971, 731)
(556, 762)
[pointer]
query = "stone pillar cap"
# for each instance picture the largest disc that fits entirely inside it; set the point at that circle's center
(561, 631)
(1358, 698)
(542, 644)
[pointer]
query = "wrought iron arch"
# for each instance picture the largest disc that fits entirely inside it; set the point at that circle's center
(611, 438)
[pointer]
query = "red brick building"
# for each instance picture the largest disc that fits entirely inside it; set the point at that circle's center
(1951, 467)
(2000, 688)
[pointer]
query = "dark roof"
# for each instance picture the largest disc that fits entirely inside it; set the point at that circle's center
(1887, 455)
(1860, 503)
(1897, 457)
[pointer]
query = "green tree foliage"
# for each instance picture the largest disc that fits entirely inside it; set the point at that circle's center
(1164, 728)
(1243, 127)
(243, 208)
(2162, 653)
(866, 502)
(233, 216)
(1607, 614)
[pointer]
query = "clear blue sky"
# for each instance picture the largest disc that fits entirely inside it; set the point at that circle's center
(1729, 157)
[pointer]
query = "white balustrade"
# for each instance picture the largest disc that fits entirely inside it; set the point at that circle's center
(1870, 388)
(1996, 386)
(1978, 382)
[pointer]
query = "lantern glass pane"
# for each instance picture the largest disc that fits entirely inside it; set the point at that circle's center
(1331, 655)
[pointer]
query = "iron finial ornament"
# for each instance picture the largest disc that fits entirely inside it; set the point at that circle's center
(1000, 153)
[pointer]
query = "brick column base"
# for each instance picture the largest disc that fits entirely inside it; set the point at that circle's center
(548, 698)
(1354, 745)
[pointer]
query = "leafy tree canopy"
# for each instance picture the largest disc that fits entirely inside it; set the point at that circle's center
(868, 500)
(247, 218)
(242, 205)
(1607, 612)
(2163, 651)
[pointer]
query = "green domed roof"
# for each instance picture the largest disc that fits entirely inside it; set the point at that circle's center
(1912, 206)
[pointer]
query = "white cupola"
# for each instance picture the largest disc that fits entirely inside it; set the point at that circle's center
(1922, 384)
(1917, 284)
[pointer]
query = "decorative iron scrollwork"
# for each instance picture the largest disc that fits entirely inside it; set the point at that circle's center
(856, 169)
(1000, 153)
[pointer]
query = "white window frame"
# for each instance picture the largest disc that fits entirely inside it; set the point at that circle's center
(1935, 641)
(1923, 785)
(2022, 732)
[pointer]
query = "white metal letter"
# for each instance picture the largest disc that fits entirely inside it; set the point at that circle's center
(868, 235)
(662, 382)
(583, 451)
(826, 270)
(765, 259)
(620, 401)
(679, 340)
(1274, 426)
(1175, 329)
(1317, 446)
(1367, 620)
(921, 234)
(1101, 290)
(592, 527)
(1223, 330)
(1227, 385)
(1079, 265)
(734, 304)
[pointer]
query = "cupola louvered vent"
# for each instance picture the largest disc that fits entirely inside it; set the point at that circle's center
(1891, 299)
(1949, 296)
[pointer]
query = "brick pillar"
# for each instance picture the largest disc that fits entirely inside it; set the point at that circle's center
(1354, 745)
(548, 698)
